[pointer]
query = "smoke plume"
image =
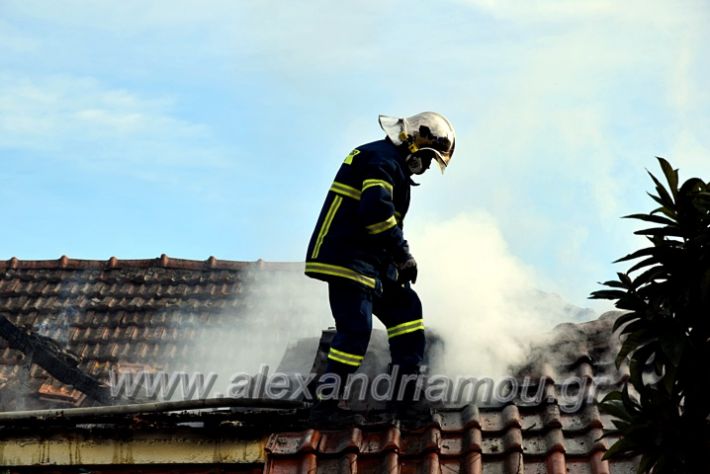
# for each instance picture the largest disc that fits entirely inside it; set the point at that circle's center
(483, 301)
(274, 310)
(479, 298)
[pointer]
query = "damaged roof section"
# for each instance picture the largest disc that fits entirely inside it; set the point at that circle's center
(143, 315)
(114, 315)
(60, 364)
(584, 351)
(548, 434)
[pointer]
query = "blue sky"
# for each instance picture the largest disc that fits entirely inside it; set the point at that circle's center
(137, 128)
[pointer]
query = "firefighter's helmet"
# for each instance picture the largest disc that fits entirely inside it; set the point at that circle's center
(426, 133)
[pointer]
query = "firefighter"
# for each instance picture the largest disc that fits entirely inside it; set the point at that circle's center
(358, 248)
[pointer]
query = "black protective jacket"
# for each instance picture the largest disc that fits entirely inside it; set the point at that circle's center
(358, 235)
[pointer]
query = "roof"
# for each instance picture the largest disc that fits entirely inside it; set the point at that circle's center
(509, 440)
(548, 435)
(116, 315)
(585, 350)
(130, 314)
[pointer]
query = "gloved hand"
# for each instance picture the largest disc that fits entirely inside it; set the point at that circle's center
(407, 270)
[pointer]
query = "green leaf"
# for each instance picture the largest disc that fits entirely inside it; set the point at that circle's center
(660, 201)
(671, 213)
(671, 175)
(638, 362)
(632, 343)
(665, 198)
(613, 395)
(621, 425)
(607, 294)
(625, 279)
(650, 275)
(637, 254)
(691, 186)
(648, 460)
(613, 284)
(644, 263)
(651, 218)
(631, 302)
(673, 346)
(623, 319)
(606, 432)
(634, 326)
(626, 399)
(622, 448)
(669, 379)
(661, 231)
(616, 409)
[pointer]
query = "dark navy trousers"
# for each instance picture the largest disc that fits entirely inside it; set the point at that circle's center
(399, 309)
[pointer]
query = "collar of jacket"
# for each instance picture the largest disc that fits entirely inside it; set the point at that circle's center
(402, 154)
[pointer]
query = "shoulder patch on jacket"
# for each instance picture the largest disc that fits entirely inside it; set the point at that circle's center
(349, 158)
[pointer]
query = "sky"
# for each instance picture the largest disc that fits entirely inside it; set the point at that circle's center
(197, 128)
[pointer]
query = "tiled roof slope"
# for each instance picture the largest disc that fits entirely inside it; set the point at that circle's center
(511, 440)
(142, 313)
(545, 436)
(114, 314)
(585, 350)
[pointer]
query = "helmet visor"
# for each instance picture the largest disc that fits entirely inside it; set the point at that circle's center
(434, 154)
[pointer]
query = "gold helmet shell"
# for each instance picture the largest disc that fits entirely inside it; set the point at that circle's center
(423, 132)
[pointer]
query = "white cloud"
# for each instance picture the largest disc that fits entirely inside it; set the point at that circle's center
(307, 35)
(559, 146)
(543, 9)
(650, 13)
(125, 16)
(690, 100)
(84, 121)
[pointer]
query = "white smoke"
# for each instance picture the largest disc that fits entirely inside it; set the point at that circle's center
(483, 301)
(275, 309)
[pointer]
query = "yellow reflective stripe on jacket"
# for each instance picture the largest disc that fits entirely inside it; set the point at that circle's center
(343, 272)
(326, 224)
(345, 357)
(345, 190)
(371, 183)
(382, 226)
(398, 216)
(405, 328)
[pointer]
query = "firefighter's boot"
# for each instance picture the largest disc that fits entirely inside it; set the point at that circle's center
(329, 414)
(407, 405)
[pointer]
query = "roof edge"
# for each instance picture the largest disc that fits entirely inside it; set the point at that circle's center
(211, 263)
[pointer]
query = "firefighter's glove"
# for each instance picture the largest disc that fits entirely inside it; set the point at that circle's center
(407, 270)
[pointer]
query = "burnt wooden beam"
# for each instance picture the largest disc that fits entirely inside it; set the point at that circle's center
(48, 354)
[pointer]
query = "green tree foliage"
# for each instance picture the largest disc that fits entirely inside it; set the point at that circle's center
(662, 410)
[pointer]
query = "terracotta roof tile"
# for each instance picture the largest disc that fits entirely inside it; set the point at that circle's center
(132, 315)
(521, 437)
(53, 391)
(450, 444)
